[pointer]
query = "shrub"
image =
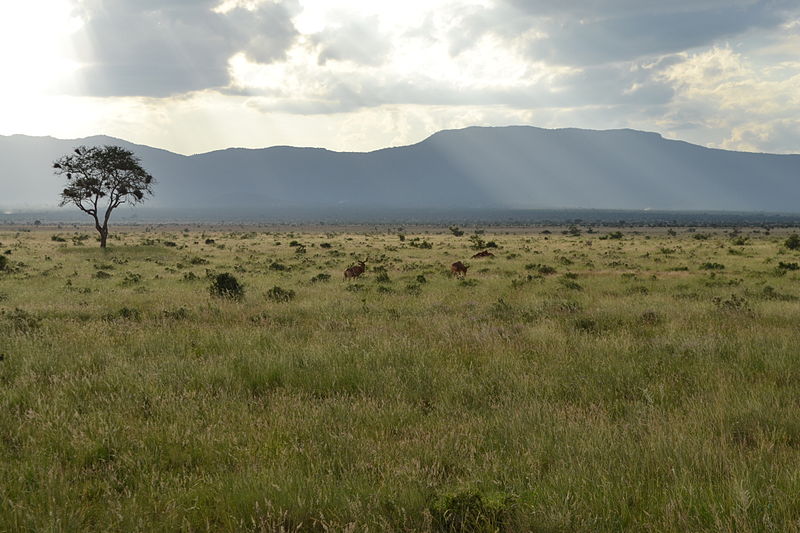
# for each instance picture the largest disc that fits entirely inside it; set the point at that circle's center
(413, 289)
(21, 320)
(225, 285)
(769, 293)
(471, 510)
(570, 284)
(477, 242)
(456, 231)
(712, 266)
(650, 318)
(321, 277)
(279, 295)
(355, 287)
(280, 267)
(3, 263)
(543, 270)
(124, 313)
(501, 310)
(586, 325)
(132, 278)
(733, 304)
(793, 242)
(180, 313)
(381, 275)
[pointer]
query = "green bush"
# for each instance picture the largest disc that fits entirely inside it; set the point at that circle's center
(793, 242)
(225, 285)
(471, 510)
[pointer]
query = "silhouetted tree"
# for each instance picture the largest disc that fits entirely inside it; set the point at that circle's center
(100, 179)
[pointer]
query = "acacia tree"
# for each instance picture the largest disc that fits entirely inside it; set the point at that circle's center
(100, 179)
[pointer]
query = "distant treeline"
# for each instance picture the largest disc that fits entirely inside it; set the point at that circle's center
(358, 215)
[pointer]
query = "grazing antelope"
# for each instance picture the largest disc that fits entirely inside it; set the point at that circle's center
(485, 253)
(458, 269)
(355, 270)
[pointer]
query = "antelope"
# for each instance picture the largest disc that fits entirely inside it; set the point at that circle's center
(485, 253)
(458, 269)
(355, 270)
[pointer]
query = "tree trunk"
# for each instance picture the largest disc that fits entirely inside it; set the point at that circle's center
(103, 237)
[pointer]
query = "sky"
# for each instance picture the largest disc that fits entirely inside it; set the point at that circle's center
(193, 76)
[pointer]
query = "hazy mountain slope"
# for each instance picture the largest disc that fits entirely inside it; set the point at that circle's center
(474, 167)
(26, 173)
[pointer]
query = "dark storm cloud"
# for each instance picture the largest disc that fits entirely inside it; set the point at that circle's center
(594, 32)
(162, 48)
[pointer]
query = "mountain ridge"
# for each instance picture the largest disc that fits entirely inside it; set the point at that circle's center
(514, 167)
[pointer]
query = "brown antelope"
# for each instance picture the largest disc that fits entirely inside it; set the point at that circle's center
(485, 253)
(355, 270)
(458, 269)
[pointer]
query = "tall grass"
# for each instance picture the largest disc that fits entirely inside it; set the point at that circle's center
(630, 389)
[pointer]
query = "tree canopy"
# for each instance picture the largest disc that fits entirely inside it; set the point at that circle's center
(100, 179)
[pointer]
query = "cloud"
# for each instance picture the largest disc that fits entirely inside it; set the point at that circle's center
(718, 72)
(162, 48)
(305, 88)
(751, 106)
(591, 33)
(358, 40)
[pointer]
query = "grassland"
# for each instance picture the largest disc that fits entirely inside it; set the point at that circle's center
(632, 381)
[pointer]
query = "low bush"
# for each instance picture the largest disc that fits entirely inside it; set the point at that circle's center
(226, 285)
(472, 510)
(279, 295)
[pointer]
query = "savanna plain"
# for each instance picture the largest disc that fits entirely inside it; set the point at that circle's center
(582, 379)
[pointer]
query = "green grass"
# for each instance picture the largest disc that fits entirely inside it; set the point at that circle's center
(629, 387)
